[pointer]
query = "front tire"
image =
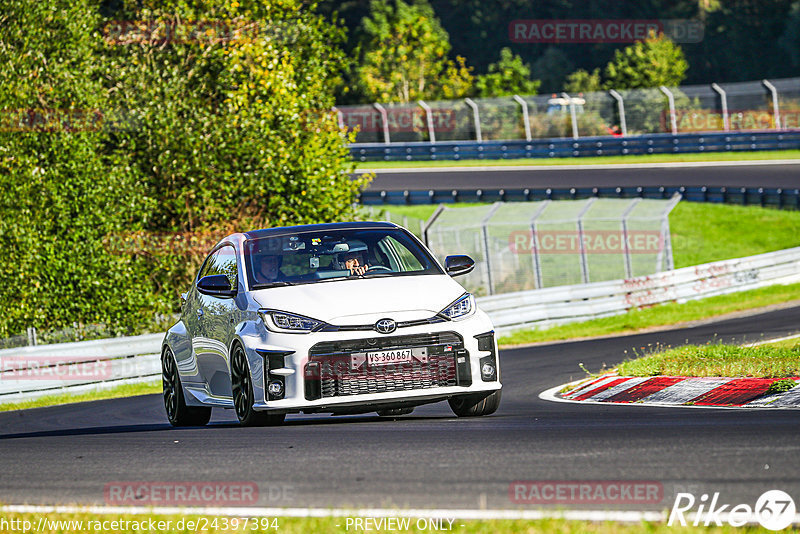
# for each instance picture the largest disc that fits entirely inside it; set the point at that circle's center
(243, 397)
(174, 402)
(475, 405)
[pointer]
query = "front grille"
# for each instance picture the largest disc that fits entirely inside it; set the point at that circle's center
(330, 373)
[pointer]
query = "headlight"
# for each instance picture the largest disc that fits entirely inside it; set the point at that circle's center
(461, 308)
(279, 321)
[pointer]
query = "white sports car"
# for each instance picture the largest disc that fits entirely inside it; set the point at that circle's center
(342, 318)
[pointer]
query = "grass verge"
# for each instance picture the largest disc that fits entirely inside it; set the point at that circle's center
(125, 390)
(661, 315)
(595, 160)
(130, 523)
(763, 361)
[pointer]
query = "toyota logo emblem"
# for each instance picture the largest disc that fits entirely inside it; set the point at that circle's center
(385, 326)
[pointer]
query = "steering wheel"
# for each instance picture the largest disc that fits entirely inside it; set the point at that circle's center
(378, 268)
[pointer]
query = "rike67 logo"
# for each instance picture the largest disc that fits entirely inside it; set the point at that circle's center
(774, 510)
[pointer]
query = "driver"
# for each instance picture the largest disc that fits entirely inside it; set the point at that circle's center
(355, 263)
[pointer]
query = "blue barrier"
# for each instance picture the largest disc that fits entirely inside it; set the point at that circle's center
(744, 196)
(584, 146)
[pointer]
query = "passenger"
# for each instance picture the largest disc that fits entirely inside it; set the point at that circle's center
(269, 268)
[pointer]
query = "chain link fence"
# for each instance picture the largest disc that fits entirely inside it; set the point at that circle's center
(728, 107)
(529, 245)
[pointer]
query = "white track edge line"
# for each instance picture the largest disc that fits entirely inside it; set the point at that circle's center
(768, 341)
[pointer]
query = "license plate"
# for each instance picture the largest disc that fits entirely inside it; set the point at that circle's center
(385, 357)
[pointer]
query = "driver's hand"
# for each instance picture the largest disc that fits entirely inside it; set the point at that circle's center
(359, 270)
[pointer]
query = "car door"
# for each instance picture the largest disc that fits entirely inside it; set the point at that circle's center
(215, 318)
(191, 313)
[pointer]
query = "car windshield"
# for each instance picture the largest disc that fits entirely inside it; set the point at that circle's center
(312, 257)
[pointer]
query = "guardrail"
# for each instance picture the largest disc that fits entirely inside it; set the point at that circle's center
(30, 372)
(540, 308)
(743, 196)
(582, 147)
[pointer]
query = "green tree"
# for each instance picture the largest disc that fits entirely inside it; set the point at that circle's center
(148, 144)
(236, 127)
(509, 76)
(63, 188)
(645, 64)
(404, 55)
(552, 67)
(582, 81)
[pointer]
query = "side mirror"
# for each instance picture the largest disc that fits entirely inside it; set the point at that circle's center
(216, 285)
(458, 265)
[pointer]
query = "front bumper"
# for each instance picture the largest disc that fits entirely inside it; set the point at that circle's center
(324, 371)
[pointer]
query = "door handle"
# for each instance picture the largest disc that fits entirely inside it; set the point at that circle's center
(199, 312)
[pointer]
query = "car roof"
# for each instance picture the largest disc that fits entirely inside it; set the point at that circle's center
(303, 228)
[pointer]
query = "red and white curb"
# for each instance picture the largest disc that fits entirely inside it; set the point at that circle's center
(683, 391)
(707, 392)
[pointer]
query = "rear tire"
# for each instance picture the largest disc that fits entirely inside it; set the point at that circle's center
(475, 405)
(243, 397)
(178, 413)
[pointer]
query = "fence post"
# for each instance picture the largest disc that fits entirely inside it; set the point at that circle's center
(537, 262)
(427, 224)
(476, 118)
(486, 254)
(627, 251)
(525, 117)
(584, 260)
(572, 115)
(775, 107)
(384, 121)
(723, 97)
(429, 120)
(621, 107)
(667, 248)
(339, 117)
(671, 100)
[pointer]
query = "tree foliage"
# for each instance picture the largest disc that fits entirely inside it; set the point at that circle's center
(509, 76)
(650, 63)
(198, 120)
(404, 55)
(581, 81)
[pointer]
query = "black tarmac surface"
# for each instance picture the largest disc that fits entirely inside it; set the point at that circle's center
(786, 176)
(68, 454)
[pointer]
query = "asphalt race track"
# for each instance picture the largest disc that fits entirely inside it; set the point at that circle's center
(711, 174)
(68, 454)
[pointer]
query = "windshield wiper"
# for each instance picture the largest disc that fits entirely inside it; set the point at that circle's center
(375, 275)
(272, 284)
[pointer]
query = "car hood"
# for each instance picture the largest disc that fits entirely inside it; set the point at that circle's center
(364, 301)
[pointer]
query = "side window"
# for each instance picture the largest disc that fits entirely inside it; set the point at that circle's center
(398, 254)
(227, 264)
(223, 261)
(208, 265)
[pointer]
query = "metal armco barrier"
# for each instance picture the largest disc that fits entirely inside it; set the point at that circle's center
(584, 146)
(744, 196)
(30, 372)
(35, 371)
(541, 308)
